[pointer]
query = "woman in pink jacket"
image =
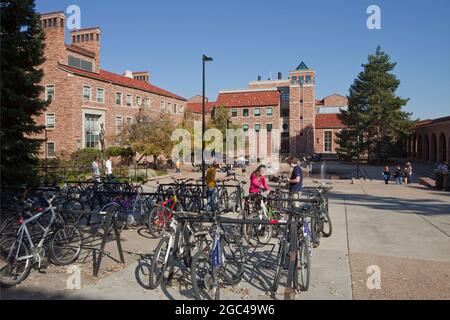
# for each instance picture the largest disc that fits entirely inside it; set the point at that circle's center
(258, 181)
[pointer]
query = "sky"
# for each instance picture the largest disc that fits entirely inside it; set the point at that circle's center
(248, 38)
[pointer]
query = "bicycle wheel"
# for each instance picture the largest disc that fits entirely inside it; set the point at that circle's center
(282, 259)
(68, 208)
(223, 201)
(205, 281)
(65, 245)
(257, 235)
(159, 262)
(327, 227)
(233, 255)
(303, 270)
(15, 262)
(157, 221)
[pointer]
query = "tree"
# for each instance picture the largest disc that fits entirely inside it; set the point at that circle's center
(21, 55)
(375, 112)
(150, 137)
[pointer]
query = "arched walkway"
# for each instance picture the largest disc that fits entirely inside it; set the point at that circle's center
(426, 148)
(442, 154)
(419, 147)
(433, 148)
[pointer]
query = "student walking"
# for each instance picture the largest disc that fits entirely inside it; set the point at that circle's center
(405, 175)
(96, 170)
(108, 169)
(386, 175)
(398, 175)
(410, 172)
(296, 181)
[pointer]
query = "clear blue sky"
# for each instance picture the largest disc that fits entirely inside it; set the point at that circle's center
(251, 38)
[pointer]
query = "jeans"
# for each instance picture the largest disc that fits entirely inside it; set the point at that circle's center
(399, 180)
(211, 193)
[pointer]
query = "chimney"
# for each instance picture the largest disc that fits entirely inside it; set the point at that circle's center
(54, 27)
(128, 74)
(88, 39)
(280, 76)
(259, 78)
(142, 76)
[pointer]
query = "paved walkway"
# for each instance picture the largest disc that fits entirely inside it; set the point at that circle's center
(402, 230)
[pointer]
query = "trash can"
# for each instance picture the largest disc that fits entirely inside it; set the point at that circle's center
(439, 180)
(446, 181)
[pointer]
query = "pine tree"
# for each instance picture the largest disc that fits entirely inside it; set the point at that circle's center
(374, 113)
(21, 54)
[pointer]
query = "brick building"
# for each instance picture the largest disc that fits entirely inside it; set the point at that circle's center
(306, 125)
(430, 141)
(84, 97)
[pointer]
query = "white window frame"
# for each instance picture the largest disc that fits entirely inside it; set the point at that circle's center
(267, 112)
(116, 123)
(162, 105)
(325, 141)
(257, 124)
(248, 127)
(90, 92)
(121, 98)
(54, 120)
(54, 149)
(46, 92)
(138, 101)
(254, 112)
(97, 95)
(243, 114)
(147, 102)
(180, 108)
(237, 113)
(130, 99)
(129, 121)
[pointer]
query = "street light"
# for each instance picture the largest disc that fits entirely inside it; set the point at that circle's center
(204, 60)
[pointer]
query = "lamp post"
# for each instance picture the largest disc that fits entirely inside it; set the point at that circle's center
(357, 152)
(204, 60)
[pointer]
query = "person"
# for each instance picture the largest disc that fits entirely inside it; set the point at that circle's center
(96, 170)
(296, 181)
(108, 168)
(386, 174)
(410, 172)
(211, 185)
(258, 181)
(405, 175)
(398, 175)
(178, 166)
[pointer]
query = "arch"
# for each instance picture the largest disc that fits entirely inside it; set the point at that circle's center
(442, 149)
(419, 147)
(433, 148)
(426, 148)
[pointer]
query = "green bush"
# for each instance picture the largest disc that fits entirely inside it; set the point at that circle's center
(119, 152)
(85, 157)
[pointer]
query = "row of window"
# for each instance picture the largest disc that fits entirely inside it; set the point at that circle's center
(86, 37)
(119, 123)
(301, 80)
(53, 22)
(256, 112)
(138, 102)
(257, 127)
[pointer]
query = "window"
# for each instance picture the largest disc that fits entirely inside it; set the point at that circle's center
(100, 95)
(162, 105)
(129, 121)
(245, 127)
(257, 127)
(50, 121)
(180, 108)
(174, 108)
(129, 100)
(234, 113)
(80, 63)
(269, 112)
(50, 92)
(87, 93)
(269, 127)
(118, 98)
(51, 149)
(147, 102)
(257, 112)
(328, 141)
(245, 112)
(302, 80)
(118, 124)
(91, 130)
(308, 79)
(138, 101)
(169, 107)
(294, 80)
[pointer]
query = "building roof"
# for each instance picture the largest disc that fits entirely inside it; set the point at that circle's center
(302, 66)
(258, 98)
(121, 80)
(80, 50)
(328, 121)
(196, 107)
(433, 121)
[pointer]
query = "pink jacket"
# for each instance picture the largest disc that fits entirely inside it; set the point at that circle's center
(256, 184)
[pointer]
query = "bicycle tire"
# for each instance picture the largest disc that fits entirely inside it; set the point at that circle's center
(281, 265)
(328, 223)
(302, 273)
(251, 232)
(6, 247)
(158, 267)
(65, 245)
(233, 268)
(155, 226)
(205, 280)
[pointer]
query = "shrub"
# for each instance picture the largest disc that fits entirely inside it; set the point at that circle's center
(119, 152)
(85, 157)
